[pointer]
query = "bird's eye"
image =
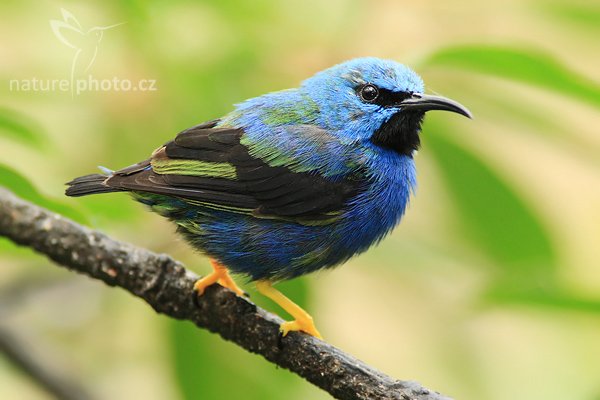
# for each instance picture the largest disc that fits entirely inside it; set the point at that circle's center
(369, 92)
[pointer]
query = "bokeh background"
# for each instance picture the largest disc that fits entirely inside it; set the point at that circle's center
(489, 289)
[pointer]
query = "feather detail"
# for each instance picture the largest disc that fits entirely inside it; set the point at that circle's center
(193, 168)
(210, 167)
(88, 184)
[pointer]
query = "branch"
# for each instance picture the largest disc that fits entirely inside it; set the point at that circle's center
(43, 374)
(168, 288)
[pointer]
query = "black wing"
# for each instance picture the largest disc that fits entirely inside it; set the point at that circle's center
(209, 165)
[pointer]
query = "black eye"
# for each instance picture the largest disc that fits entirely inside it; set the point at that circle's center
(369, 93)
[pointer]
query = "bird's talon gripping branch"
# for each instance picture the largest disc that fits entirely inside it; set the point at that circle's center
(219, 275)
(302, 320)
(306, 326)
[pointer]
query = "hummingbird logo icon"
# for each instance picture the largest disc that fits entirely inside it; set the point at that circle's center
(85, 42)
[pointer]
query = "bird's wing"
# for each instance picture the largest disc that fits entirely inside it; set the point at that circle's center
(211, 166)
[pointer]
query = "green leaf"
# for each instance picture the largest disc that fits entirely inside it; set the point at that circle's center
(494, 216)
(206, 367)
(18, 184)
(554, 298)
(529, 66)
(583, 15)
(16, 126)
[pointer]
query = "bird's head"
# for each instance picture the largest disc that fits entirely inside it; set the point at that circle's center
(377, 101)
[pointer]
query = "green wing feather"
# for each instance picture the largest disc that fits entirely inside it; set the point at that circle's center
(216, 168)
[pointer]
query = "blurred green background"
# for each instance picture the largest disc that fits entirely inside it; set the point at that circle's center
(489, 289)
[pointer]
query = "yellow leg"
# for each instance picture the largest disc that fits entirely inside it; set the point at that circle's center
(302, 320)
(220, 275)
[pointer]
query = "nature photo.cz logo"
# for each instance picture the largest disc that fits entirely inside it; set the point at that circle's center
(86, 44)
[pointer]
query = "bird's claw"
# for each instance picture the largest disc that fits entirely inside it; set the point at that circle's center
(221, 276)
(304, 325)
(231, 285)
(202, 283)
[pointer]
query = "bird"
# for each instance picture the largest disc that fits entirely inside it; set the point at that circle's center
(292, 181)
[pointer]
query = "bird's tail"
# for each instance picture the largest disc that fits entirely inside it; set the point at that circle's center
(88, 184)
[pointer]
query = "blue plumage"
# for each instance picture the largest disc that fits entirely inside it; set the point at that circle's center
(275, 249)
(293, 181)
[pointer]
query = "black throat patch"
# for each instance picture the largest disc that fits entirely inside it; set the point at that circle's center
(401, 132)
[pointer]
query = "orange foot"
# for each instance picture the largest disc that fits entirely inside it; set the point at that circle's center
(302, 320)
(219, 275)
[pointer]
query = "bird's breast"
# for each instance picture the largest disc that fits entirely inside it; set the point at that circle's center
(379, 207)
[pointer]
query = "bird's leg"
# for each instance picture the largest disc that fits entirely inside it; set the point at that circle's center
(227, 281)
(302, 320)
(219, 275)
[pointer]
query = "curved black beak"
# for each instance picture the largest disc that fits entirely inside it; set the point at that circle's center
(426, 102)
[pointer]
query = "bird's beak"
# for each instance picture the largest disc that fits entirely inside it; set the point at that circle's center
(426, 102)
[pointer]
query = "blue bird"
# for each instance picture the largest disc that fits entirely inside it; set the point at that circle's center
(290, 182)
